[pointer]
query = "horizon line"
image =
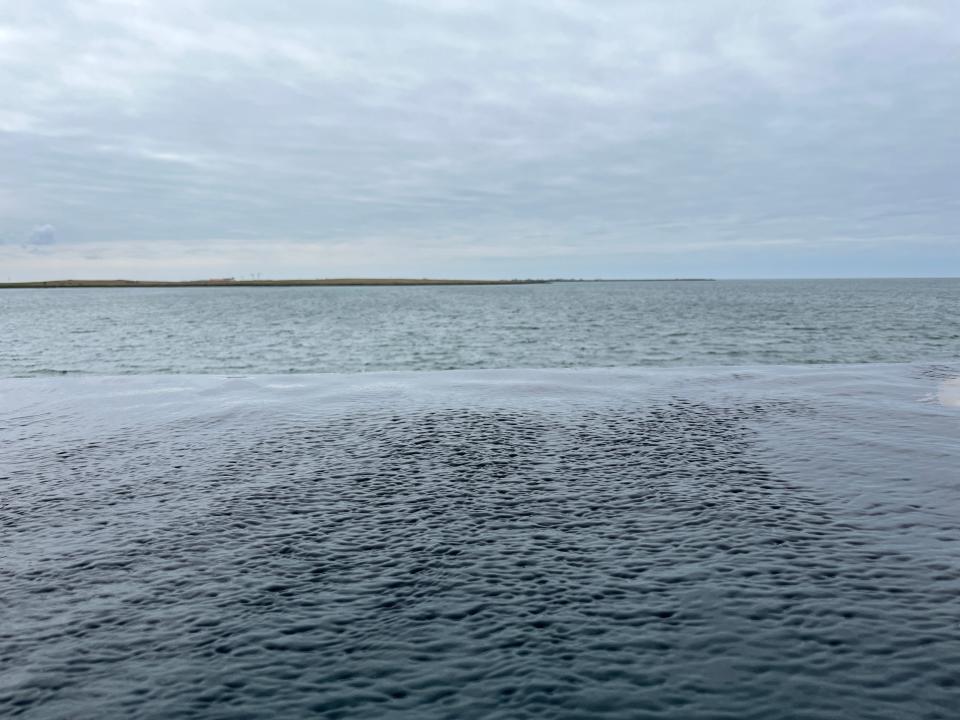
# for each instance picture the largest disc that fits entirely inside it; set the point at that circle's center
(409, 281)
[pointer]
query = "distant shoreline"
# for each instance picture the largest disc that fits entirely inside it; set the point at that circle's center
(327, 282)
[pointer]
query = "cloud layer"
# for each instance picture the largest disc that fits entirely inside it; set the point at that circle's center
(432, 137)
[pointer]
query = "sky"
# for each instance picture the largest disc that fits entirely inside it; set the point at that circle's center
(175, 139)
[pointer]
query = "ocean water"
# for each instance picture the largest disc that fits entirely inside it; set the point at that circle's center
(314, 330)
(752, 542)
(214, 505)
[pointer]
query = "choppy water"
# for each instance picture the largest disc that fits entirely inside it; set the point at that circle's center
(760, 542)
(276, 330)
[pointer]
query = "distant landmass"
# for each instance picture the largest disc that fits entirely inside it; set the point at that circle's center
(231, 282)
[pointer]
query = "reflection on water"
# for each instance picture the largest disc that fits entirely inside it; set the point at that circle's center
(949, 392)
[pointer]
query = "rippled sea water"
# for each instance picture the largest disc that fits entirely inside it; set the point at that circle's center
(752, 542)
(344, 329)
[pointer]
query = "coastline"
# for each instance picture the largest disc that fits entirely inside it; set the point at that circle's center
(230, 282)
(318, 282)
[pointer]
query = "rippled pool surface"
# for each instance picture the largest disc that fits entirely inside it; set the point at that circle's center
(760, 542)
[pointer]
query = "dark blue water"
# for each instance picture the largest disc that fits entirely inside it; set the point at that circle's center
(311, 330)
(760, 542)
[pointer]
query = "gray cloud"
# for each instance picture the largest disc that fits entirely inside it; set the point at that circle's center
(542, 137)
(42, 235)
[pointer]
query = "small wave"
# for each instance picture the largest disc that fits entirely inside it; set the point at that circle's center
(49, 372)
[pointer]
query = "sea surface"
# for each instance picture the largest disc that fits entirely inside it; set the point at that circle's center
(215, 504)
(355, 329)
(753, 542)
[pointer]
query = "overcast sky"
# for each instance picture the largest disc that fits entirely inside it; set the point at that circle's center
(479, 138)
